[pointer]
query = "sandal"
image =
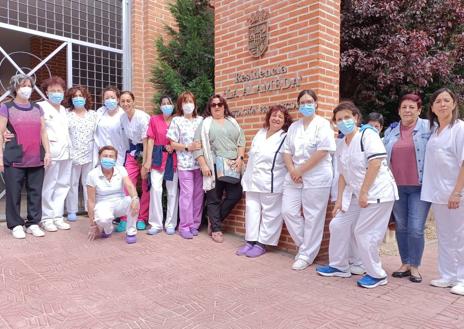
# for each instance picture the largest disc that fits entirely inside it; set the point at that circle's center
(217, 237)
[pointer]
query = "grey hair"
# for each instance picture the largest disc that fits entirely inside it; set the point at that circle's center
(16, 80)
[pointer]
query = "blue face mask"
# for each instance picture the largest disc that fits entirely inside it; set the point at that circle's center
(167, 109)
(55, 97)
(107, 163)
(307, 110)
(346, 126)
(78, 101)
(111, 103)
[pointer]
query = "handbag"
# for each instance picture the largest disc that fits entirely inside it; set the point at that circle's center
(225, 172)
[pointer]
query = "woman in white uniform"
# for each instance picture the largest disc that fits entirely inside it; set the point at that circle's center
(263, 183)
(366, 193)
(105, 188)
(135, 124)
(81, 121)
(442, 185)
(307, 155)
(58, 175)
(109, 129)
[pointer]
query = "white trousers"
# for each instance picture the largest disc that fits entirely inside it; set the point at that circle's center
(55, 189)
(307, 230)
(78, 173)
(263, 217)
(450, 229)
(106, 211)
(156, 205)
(368, 225)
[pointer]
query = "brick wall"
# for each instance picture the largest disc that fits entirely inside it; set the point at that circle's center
(42, 47)
(304, 38)
(148, 21)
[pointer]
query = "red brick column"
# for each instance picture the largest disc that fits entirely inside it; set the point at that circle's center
(42, 47)
(148, 21)
(302, 53)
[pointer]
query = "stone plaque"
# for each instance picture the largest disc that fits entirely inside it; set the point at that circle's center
(258, 33)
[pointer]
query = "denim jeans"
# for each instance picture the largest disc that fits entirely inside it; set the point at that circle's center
(410, 216)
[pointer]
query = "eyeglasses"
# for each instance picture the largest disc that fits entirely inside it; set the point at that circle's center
(221, 104)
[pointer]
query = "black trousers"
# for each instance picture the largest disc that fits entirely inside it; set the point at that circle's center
(217, 207)
(14, 179)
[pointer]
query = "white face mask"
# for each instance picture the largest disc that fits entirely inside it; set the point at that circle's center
(188, 108)
(25, 92)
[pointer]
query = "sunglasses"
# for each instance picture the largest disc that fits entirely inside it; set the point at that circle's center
(221, 104)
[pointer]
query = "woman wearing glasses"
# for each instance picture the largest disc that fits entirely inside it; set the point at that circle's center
(223, 148)
(307, 155)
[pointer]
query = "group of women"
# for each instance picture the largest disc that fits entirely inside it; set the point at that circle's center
(293, 169)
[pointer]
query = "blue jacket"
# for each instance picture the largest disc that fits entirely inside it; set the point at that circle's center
(421, 135)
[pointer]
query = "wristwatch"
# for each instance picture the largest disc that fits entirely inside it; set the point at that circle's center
(241, 157)
(186, 148)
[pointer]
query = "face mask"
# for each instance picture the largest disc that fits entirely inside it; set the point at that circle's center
(167, 109)
(346, 126)
(307, 110)
(111, 103)
(25, 92)
(55, 97)
(188, 108)
(78, 101)
(107, 163)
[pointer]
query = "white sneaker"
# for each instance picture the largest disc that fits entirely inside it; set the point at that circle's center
(300, 264)
(357, 270)
(61, 224)
(49, 226)
(442, 283)
(458, 289)
(18, 232)
(35, 231)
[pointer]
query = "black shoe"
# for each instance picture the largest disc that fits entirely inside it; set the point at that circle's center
(399, 274)
(415, 279)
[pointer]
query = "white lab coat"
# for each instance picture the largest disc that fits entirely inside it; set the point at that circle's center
(444, 157)
(368, 225)
(263, 183)
(301, 143)
(57, 177)
(313, 193)
(109, 131)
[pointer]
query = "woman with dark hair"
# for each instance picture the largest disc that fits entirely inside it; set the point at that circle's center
(24, 156)
(443, 186)
(405, 143)
(57, 178)
(181, 133)
(376, 120)
(109, 129)
(221, 160)
(307, 155)
(106, 184)
(161, 163)
(81, 122)
(366, 193)
(263, 183)
(135, 125)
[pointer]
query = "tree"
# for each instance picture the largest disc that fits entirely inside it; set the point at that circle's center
(186, 60)
(391, 47)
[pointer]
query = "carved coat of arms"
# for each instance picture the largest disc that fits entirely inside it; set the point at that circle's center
(258, 33)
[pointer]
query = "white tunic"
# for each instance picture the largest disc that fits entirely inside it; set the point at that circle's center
(109, 131)
(106, 190)
(265, 170)
(56, 123)
(182, 130)
(136, 128)
(353, 162)
(302, 143)
(444, 156)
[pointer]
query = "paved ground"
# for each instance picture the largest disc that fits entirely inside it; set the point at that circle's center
(63, 281)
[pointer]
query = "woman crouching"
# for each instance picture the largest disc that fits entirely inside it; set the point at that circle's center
(106, 199)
